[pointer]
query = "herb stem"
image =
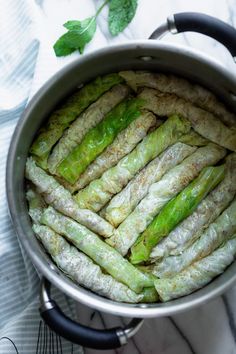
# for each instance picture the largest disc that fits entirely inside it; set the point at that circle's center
(100, 8)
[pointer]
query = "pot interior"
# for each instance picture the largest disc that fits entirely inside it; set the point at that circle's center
(146, 55)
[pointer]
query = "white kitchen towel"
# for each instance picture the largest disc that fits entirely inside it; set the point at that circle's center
(28, 29)
(21, 329)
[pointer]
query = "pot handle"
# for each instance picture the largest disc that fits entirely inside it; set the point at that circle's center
(79, 334)
(201, 23)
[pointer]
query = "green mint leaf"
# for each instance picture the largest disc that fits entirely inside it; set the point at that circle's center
(73, 25)
(80, 33)
(61, 47)
(121, 13)
(78, 25)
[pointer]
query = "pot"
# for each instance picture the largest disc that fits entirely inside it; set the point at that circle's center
(144, 55)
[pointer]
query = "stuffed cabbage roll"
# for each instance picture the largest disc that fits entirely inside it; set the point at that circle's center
(198, 274)
(160, 193)
(100, 191)
(123, 144)
(203, 122)
(104, 255)
(56, 195)
(98, 138)
(79, 267)
(208, 210)
(175, 211)
(194, 139)
(124, 203)
(193, 93)
(64, 115)
(87, 120)
(219, 231)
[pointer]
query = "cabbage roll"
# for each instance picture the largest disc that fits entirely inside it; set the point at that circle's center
(160, 193)
(56, 195)
(175, 211)
(101, 253)
(98, 138)
(198, 274)
(124, 203)
(79, 267)
(208, 210)
(123, 144)
(219, 231)
(61, 118)
(100, 191)
(87, 120)
(193, 93)
(194, 139)
(203, 122)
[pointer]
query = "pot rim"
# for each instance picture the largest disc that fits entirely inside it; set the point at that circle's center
(44, 264)
(149, 43)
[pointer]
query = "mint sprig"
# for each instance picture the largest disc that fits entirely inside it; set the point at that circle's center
(80, 33)
(121, 13)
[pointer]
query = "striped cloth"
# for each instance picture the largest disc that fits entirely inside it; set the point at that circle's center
(20, 324)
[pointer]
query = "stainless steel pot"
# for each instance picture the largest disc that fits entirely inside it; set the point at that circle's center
(147, 54)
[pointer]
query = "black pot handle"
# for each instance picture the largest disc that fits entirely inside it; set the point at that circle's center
(201, 23)
(79, 334)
